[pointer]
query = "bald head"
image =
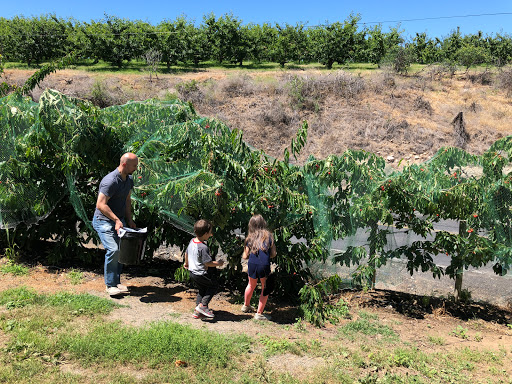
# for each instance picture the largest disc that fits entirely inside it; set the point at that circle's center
(127, 157)
(128, 163)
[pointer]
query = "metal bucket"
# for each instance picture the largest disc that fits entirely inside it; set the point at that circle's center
(131, 247)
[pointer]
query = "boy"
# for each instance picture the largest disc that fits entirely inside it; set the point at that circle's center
(202, 268)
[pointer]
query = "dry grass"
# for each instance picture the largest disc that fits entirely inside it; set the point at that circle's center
(379, 112)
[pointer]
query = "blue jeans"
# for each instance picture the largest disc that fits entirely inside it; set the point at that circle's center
(110, 240)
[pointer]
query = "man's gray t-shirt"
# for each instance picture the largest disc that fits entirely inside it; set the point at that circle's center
(116, 189)
(198, 254)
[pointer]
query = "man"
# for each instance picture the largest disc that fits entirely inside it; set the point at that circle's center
(113, 211)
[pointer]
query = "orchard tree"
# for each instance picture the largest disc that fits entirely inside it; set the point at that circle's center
(197, 43)
(470, 55)
(5, 38)
(450, 45)
(335, 42)
(289, 43)
(38, 39)
(260, 38)
(115, 40)
(426, 50)
(172, 40)
(500, 49)
(375, 47)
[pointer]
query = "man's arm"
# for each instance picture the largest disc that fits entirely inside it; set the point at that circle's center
(102, 206)
(128, 211)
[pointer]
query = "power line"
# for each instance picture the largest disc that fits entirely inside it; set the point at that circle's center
(439, 18)
(422, 19)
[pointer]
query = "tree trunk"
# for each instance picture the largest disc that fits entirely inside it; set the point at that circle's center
(460, 273)
(373, 263)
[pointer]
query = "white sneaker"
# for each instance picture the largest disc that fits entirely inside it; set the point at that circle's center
(114, 291)
(261, 316)
(122, 288)
(247, 308)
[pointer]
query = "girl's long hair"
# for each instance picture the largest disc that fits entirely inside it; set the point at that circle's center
(258, 237)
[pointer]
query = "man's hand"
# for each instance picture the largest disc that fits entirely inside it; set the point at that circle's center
(119, 225)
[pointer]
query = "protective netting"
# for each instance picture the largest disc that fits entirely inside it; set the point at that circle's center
(346, 211)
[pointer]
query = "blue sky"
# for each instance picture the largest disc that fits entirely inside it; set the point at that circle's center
(435, 17)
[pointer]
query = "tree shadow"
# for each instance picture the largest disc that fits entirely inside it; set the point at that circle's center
(417, 306)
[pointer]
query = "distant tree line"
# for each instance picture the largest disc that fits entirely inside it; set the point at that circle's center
(226, 39)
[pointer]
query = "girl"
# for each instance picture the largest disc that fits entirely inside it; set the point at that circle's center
(259, 249)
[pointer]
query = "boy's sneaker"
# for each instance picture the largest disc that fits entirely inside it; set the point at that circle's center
(261, 316)
(247, 308)
(197, 315)
(204, 311)
(122, 288)
(114, 291)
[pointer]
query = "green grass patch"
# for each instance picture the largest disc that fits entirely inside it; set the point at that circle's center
(13, 268)
(140, 67)
(76, 276)
(275, 346)
(367, 324)
(82, 303)
(18, 297)
(158, 344)
(436, 340)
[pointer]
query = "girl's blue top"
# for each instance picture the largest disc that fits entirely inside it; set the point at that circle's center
(263, 256)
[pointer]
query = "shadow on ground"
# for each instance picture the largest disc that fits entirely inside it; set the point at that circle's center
(417, 306)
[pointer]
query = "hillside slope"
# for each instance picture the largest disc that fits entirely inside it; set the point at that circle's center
(406, 117)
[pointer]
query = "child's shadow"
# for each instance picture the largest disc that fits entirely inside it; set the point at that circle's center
(152, 294)
(221, 315)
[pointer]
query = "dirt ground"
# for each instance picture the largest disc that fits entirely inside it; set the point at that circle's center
(154, 298)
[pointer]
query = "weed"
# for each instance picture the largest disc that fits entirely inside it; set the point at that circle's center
(402, 358)
(483, 78)
(12, 252)
(367, 327)
(425, 301)
(279, 346)
(465, 296)
(420, 104)
(238, 86)
(299, 325)
(504, 80)
(190, 91)
(436, 340)
(76, 276)
(100, 95)
(171, 96)
(478, 337)
(152, 58)
(460, 332)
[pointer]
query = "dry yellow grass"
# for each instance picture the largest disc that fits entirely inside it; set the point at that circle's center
(404, 116)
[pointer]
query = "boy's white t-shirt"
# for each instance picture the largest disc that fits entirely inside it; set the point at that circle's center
(198, 254)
